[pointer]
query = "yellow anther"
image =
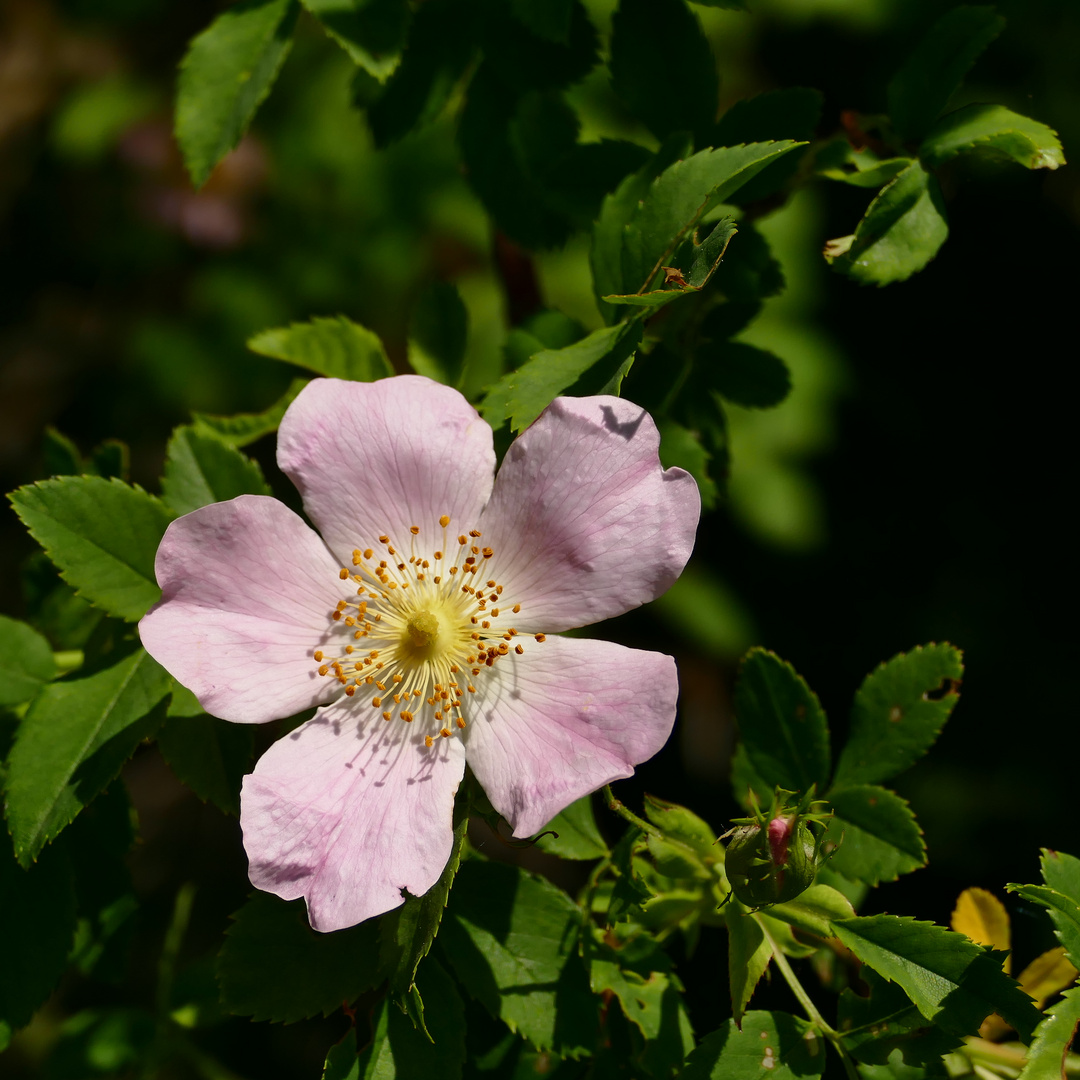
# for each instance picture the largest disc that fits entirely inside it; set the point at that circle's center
(324, 669)
(343, 574)
(518, 649)
(318, 655)
(387, 716)
(428, 740)
(414, 529)
(541, 637)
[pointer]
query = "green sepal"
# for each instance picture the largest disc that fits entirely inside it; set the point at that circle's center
(407, 934)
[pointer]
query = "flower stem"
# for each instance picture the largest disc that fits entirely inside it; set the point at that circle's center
(811, 1009)
(623, 811)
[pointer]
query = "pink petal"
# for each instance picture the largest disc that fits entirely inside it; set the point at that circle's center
(563, 719)
(247, 594)
(374, 459)
(584, 522)
(347, 813)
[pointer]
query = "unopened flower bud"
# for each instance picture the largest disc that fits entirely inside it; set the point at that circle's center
(771, 864)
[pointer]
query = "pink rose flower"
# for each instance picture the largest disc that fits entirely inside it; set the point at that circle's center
(418, 623)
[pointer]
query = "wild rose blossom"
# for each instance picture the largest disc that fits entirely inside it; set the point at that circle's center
(419, 623)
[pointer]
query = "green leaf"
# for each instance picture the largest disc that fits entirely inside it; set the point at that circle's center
(511, 938)
(201, 469)
(209, 755)
(996, 129)
(781, 722)
(642, 997)
(615, 213)
(578, 835)
(336, 347)
(528, 391)
(745, 375)
(245, 428)
(39, 911)
(398, 1051)
(791, 113)
(372, 32)
(72, 742)
(273, 966)
(676, 201)
(1061, 872)
(682, 448)
(407, 934)
(678, 823)
(1064, 914)
(814, 910)
(927, 78)
(706, 256)
(898, 712)
(26, 662)
(749, 954)
(772, 1044)
(524, 60)
(550, 20)
(1050, 1047)
(651, 39)
(629, 891)
(875, 1027)
(899, 233)
(749, 273)
(839, 160)
(731, 5)
(438, 50)
(103, 536)
(438, 328)
(881, 839)
(952, 981)
(226, 73)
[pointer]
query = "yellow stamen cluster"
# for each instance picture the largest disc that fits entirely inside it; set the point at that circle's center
(419, 630)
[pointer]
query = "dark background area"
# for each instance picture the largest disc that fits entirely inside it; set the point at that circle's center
(125, 300)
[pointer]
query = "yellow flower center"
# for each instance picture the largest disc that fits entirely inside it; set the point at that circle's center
(419, 632)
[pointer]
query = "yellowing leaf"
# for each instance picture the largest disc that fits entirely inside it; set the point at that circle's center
(982, 917)
(1046, 975)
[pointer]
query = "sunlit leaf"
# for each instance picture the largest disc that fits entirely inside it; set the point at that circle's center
(898, 235)
(773, 1044)
(201, 469)
(72, 742)
(26, 661)
(102, 534)
(336, 347)
(953, 982)
(994, 129)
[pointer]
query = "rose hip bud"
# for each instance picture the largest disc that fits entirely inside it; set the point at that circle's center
(771, 864)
